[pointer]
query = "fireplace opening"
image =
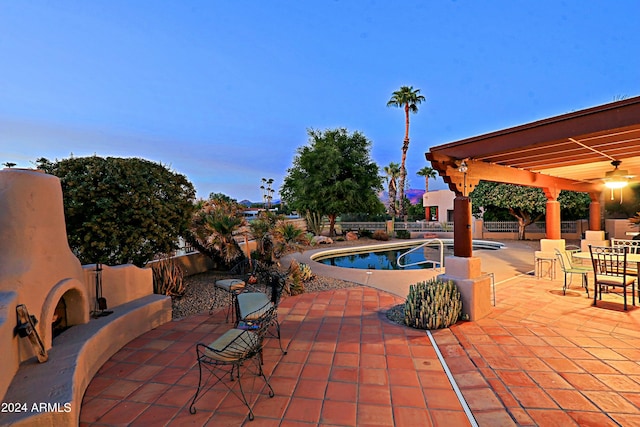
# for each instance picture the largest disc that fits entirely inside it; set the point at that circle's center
(59, 322)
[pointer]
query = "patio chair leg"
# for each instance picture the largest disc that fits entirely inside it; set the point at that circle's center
(279, 337)
(192, 408)
(585, 284)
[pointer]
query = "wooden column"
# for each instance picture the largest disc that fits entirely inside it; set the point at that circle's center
(462, 234)
(553, 220)
(594, 213)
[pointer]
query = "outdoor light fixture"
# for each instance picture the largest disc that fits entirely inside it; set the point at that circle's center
(616, 178)
(463, 167)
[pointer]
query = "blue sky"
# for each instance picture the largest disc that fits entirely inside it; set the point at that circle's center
(223, 91)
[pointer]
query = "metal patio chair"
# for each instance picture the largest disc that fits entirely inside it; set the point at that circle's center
(569, 269)
(610, 271)
(223, 359)
(252, 306)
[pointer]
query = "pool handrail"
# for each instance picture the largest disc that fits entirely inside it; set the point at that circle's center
(439, 264)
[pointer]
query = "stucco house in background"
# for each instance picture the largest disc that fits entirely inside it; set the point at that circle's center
(438, 205)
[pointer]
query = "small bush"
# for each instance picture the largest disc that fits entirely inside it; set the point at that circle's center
(380, 235)
(363, 232)
(403, 234)
(433, 304)
(298, 274)
(167, 278)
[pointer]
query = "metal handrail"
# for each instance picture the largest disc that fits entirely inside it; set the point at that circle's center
(440, 242)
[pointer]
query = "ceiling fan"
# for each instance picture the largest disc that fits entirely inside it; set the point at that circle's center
(617, 178)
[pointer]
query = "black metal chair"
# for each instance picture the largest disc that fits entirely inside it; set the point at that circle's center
(251, 307)
(248, 270)
(235, 349)
(610, 271)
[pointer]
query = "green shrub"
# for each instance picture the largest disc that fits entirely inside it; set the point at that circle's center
(380, 235)
(403, 234)
(433, 304)
(363, 232)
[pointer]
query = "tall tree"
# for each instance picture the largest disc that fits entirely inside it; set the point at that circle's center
(121, 211)
(427, 173)
(333, 174)
(407, 98)
(391, 173)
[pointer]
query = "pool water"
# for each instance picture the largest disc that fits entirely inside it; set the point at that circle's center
(387, 258)
(384, 260)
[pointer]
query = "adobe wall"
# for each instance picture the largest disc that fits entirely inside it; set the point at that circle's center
(35, 260)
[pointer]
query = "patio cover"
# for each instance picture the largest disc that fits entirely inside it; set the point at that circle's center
(568, 152)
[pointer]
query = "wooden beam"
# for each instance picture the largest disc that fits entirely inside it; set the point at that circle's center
(447, 167)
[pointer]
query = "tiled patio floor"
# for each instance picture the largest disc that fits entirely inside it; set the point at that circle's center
(540, 358)
(550, 359)
(346, 365)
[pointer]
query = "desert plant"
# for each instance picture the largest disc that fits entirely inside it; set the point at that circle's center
(403, 234)
(363, 232)
(380, 235)
(433, 304)
(305, 271)
(314, 222)
(167, 277)
(294, 285)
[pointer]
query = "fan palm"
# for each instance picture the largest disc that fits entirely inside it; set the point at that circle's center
(408, 98)
(427, 172)
(392, 171)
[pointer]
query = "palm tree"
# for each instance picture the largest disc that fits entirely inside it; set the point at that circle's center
(427, 172)
(392, 171)
(408, 98)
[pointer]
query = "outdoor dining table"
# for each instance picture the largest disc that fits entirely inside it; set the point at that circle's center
(631, 257)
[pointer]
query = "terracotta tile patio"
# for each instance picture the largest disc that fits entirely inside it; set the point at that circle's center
(540, 358)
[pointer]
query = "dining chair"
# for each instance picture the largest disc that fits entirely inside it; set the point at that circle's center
(235, 349)
(565, 258)
(610, 271)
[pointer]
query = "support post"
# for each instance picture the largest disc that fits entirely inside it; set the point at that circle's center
(553, 220)
(462, 232)
(594, 214)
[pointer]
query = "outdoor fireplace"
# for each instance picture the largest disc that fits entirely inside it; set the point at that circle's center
(41, 279)
(38, 270)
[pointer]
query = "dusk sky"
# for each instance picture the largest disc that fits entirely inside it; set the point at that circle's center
(224, 91)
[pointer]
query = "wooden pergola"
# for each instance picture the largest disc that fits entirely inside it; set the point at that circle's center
(572, 152)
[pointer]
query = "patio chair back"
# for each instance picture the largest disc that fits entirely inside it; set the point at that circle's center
(610, 270)
(564, 259)
(633, 246)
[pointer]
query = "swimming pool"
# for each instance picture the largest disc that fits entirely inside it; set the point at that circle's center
(385, 257)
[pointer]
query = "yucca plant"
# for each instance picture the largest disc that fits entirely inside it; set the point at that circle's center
(167, 278)
(433, 304)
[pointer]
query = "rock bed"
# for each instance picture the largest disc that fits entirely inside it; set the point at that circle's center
(200, 294)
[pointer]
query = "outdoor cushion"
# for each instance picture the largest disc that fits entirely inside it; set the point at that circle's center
(232, 345)
(604, 279)
(253, 305)
(230, 284)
